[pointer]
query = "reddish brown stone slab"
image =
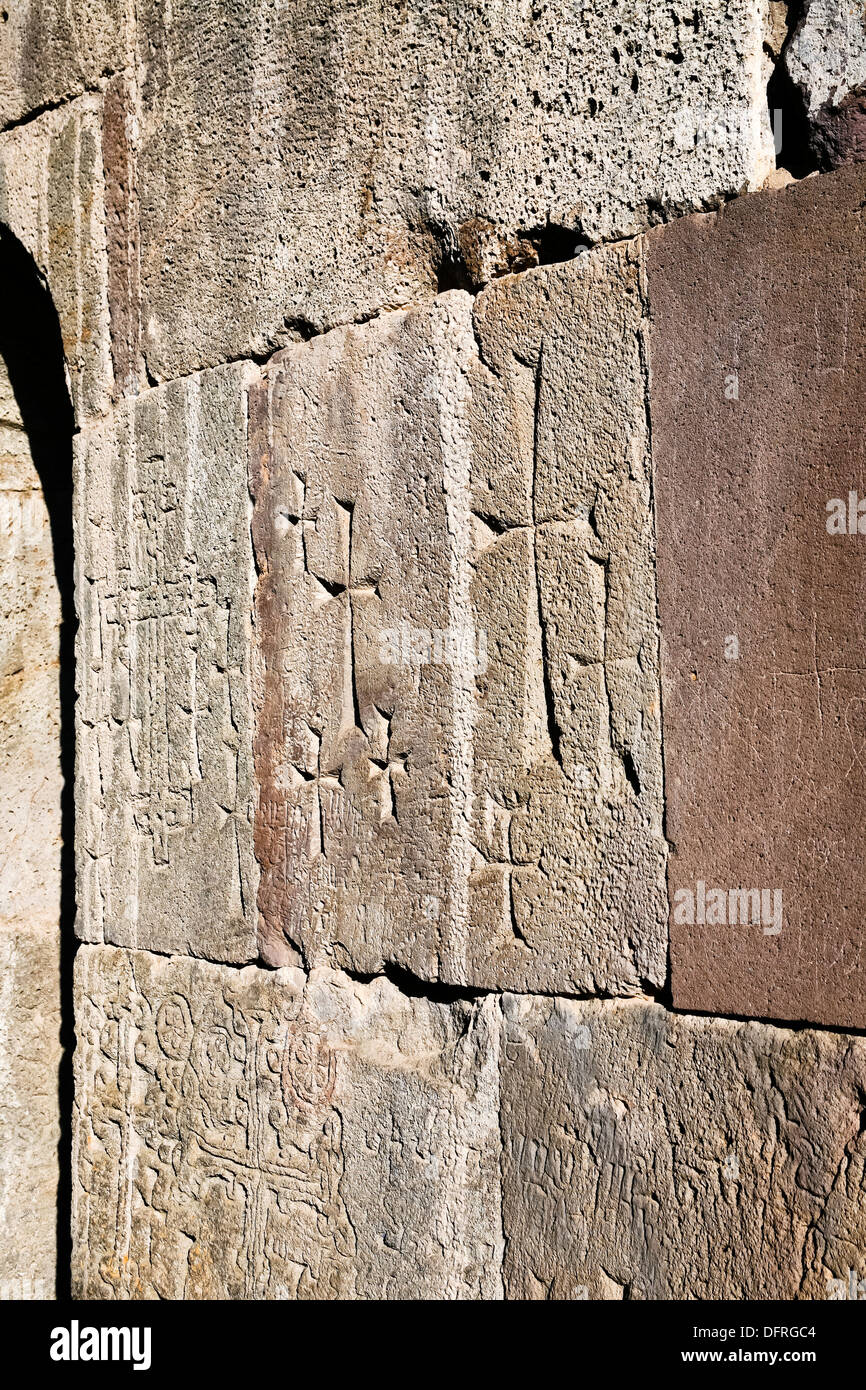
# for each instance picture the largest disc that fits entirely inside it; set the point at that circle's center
(758, 412)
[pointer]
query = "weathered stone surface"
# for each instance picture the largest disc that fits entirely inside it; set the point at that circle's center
(119, 127)
(758, 394)
(30, 831)
(164, 593)
(313, 163)
(827, 53)
(52, 198)
(827, 61)
(652, 1156)
(257, 1134)
(30, 1055)
(420, 741)
(51, 51)
(457, 746)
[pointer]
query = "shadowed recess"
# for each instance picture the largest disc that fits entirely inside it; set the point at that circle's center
(31, 346)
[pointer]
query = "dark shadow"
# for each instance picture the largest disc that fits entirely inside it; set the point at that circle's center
(788, 111)
(31, 346)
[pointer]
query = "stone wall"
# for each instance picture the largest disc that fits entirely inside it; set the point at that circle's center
(30, 834)
(461, 392)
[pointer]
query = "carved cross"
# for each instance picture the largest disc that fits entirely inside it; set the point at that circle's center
(320, 781)
(384, 769)
(350, 716)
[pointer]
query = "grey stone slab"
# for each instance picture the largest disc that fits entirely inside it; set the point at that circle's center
(310, 164)
(826, 61)
(827, 54)
(50, 52)
(260, 1134)
(457, 728)
(648, 1155)
(164, 592)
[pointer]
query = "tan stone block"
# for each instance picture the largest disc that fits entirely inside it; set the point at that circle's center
(30, 1056)
(650, 1155)
(30, 790)
(29, 598)
(458, 750)
(164, 594)
(30, 861)
(257, 1134)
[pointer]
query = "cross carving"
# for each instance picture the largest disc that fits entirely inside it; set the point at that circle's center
(350, 717)
(383, 770)
(320, 781)
(542, 732)
(346, 592)
(497, 855)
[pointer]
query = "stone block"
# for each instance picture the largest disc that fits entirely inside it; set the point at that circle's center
(827, 53)
(457, 749)
(652, 1156)
(257, 1134)
(50, 52)
(30, 870)
(30, 1059)
(757, 408)
(826, 60)
(164, 593)
(302, 165)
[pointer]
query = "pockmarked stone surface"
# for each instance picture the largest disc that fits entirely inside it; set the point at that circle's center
(52, 198)
(827, 54)
(30, 1056)
(457, 741)
(827, 62)
(29, 672)
(758, 396)
(315, 162)
(49, 51)
(164, 593)
(652, 1156)
(257, 1134)
(30, 856)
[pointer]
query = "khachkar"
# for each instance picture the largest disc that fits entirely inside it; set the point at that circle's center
(455, 742)
(443, 739)
(457, 722)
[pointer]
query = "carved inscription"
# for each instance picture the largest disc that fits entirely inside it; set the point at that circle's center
(635, 1139)
(457, 748)
(226, 1146)
(160, 609)
(227, 1170)
(165, 789)
(355, 751)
